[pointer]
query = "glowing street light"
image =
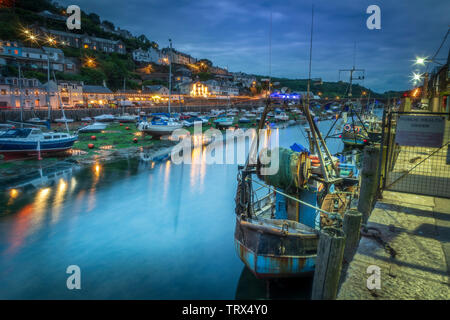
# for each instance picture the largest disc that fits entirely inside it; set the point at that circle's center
(90, 62)
(416, 77)
(420, 61)
(51, 41)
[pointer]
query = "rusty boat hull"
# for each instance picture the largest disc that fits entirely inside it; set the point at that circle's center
(276, 248)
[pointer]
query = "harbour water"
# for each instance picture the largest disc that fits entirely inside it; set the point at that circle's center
(137, 230)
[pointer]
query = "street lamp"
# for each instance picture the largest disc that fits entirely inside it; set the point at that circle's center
(416, 77)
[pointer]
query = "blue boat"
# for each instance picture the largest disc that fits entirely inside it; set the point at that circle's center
(30, 141)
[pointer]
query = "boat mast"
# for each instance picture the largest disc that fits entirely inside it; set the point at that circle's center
(316, 135)
(170, 73)
(20, 98)
(48, 89)
(60, 104)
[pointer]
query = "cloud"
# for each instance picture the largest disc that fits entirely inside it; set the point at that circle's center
(236, 34)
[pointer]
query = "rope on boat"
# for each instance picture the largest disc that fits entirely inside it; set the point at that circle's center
(331, 215)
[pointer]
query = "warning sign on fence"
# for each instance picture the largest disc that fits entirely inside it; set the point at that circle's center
(420, 131)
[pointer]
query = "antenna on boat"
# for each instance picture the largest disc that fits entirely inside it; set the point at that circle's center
(315, 132)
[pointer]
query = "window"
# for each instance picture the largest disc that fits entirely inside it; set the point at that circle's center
(3, 92)
(56, 137)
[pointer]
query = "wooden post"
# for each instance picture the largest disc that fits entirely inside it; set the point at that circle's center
(328, 264)
(351, 226)
(369, 181)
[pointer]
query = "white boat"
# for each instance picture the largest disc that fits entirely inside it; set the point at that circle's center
(127, 118)
(282, 117)
(36, 121)
(63, 120)
(86, 119)
(105, 118)
(224, 122)
(159, 127)
(94, 127)
(5, 127)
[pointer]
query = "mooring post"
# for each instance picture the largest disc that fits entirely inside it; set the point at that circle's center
(328, 264)
(351, 226)
(369, 181)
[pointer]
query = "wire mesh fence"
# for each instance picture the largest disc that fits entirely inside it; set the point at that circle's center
(417, 155)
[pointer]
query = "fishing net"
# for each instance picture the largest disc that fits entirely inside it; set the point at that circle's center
(294, 169)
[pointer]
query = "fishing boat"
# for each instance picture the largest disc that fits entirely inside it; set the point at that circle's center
(224, 122)
(104, 118)
(159, 127)
(32, 140)
(279, 213)
(94, 127)
(354, 135)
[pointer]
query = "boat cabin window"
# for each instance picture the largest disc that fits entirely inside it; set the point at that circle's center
(56, 137)
(47, 137)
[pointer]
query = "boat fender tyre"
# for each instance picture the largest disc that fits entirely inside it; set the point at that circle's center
(347, 127)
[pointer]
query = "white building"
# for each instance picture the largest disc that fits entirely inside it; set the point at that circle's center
(26, 92)
(245, 79)
(150, 55)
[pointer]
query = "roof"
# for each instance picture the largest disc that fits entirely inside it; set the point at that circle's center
(155, 87)
(96, 89)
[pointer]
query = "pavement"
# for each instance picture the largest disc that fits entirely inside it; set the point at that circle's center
(418, 229)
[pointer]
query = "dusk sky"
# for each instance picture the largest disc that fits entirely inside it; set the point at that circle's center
(235, 34)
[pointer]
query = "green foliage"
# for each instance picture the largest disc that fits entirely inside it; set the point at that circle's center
(92, 76)
(9, 71)
(204, 76)
(42, 77)
(154, 82)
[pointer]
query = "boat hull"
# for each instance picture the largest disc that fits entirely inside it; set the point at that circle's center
(160, 130)
(270, 254)
(10, 148)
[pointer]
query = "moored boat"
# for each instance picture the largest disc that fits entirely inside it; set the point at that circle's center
(94, 127)
(224, 122)
(158, 127)
(63, 120)
(32, 140)
(126, 118)
(104, 118)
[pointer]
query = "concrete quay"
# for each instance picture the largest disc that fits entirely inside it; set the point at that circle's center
(418, 229)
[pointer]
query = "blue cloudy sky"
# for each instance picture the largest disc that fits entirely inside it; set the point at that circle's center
(235, 34)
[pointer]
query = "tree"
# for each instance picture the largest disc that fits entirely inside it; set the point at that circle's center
(94, 18)
(108, 24)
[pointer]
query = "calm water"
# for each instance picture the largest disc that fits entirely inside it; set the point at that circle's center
(137, 230)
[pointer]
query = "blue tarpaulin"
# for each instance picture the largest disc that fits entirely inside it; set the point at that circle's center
(299, 148)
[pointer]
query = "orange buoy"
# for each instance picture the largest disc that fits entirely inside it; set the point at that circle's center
(91, 146)
(135, 140)
(127, 128)
(93, 138)
(121, 124)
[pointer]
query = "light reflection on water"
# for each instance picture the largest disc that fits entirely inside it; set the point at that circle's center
(137, 230)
